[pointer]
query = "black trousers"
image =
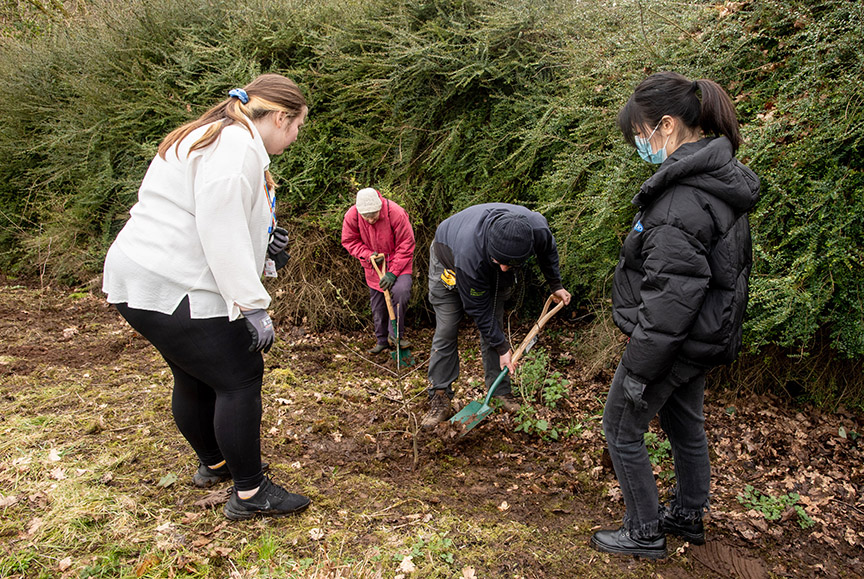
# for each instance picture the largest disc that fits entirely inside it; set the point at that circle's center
(217, 386)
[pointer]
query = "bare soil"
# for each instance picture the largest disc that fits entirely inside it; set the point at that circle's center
(335, 418)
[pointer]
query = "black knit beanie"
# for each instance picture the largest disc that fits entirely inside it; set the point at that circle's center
(510, 239)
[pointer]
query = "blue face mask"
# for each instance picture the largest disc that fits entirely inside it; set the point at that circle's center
(643, 147)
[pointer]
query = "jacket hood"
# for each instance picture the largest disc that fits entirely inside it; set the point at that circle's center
(709, 165)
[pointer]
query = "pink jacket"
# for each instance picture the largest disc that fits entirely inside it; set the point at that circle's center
(391, 235)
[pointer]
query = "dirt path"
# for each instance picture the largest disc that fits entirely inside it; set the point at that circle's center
(78, 383)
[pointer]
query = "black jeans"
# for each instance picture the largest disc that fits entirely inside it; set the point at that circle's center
(217, 386)
(678, 398)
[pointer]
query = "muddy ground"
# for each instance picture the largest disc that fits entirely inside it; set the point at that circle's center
(341, 427)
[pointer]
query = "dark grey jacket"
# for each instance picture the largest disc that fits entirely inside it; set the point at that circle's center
(460, 245)
(681, 283)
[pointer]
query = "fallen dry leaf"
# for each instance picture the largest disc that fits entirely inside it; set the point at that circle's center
(64, 564)
(22, 463)
(215, 529)
(213, 499)
(190, 517)
(54, 455)
(146, 564)
(7, 501)
(316, 534)
(407, 565)
(164, 527)
(33, 526)
(468, 573)
(504, 506)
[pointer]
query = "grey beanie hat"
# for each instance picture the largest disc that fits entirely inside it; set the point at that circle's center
(368, 201)
(510, 239)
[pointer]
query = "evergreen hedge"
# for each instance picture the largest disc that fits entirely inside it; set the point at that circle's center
(447, 103)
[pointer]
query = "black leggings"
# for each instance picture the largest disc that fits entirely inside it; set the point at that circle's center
(217, 386)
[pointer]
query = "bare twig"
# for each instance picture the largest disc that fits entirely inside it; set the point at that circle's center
(853, 507)
(384, 512)
(359, 355)
(414, 442)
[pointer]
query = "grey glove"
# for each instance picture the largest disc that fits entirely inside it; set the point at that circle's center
(260, 326)
(633, 391)
(278, 241)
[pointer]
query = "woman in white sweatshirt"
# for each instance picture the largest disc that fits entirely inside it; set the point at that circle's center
(186, 271)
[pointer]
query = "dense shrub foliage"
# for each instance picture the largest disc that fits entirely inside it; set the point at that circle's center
(447, 103)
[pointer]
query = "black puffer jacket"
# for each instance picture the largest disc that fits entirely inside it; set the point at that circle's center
(681, 284)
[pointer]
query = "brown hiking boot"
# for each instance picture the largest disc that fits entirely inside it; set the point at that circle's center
(440, 410)
(507, 403)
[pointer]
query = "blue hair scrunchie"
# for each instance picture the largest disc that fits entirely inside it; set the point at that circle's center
(239, 93)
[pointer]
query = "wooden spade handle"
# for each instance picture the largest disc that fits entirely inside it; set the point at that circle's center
(381, 271)
(545, 316)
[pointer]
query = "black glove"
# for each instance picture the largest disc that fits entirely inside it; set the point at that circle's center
(281, 259)
(633, 391)
(260, 326)
(278, 241)
(387, 281)
(378, 258)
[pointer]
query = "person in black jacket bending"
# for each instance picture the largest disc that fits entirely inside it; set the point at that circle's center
(472, 264)
(679, 293)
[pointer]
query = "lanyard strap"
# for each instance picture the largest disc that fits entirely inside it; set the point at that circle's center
(272, 203)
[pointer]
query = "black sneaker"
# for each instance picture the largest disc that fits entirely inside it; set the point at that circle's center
(693, 531)
(270, 500)
(206, 477)
(620, 542)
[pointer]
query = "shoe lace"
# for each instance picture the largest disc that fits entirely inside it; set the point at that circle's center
(274, 490)
(439, 402)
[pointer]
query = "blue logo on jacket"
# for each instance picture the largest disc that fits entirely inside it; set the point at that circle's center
(638, 227)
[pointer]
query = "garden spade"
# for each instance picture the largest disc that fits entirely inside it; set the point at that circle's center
(401, 356)
(475, 411)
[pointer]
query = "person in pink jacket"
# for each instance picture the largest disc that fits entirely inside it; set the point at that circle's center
(379, 229)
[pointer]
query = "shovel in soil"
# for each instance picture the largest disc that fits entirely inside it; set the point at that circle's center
(402, 356)
(475, 411)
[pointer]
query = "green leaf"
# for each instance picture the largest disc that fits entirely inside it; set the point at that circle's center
(167, 480)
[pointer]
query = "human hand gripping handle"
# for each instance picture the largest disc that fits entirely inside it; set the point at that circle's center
(510, 359)
(387, 281)
(633, 390)
(561, 295)
(506, 361)
(377, 259)
(260, 326)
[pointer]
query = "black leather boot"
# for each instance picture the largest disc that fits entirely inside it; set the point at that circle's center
(620, 542)
(692, 531)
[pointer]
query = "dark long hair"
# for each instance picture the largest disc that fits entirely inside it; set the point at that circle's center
(669, 93)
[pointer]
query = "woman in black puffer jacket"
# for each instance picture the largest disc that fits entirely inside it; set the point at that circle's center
(680, 293)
